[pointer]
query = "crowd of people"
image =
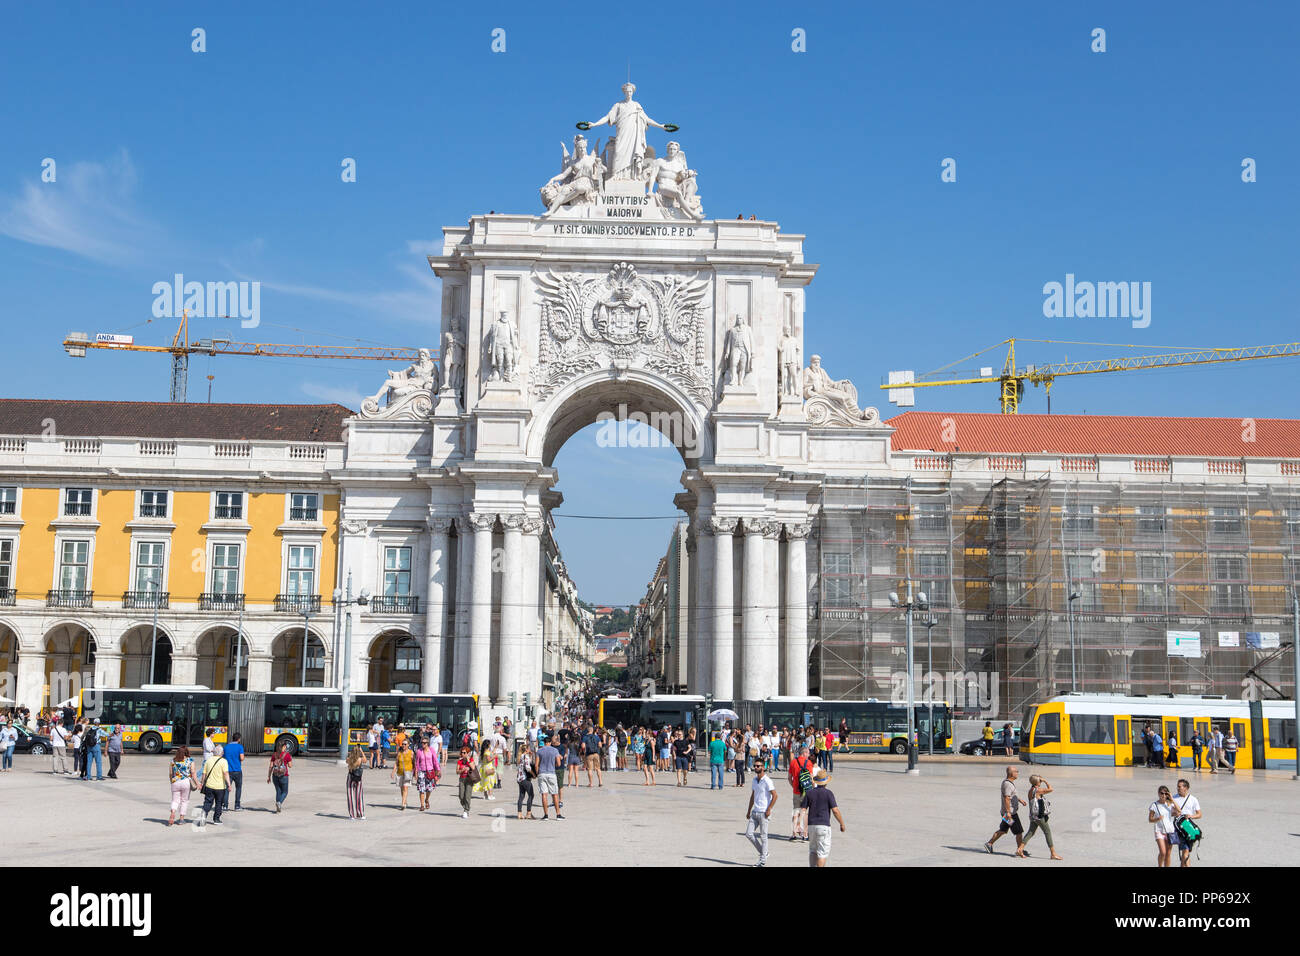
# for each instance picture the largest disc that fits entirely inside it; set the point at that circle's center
(1214, 750)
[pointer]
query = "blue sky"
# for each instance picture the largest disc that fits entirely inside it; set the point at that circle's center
(1115, 166)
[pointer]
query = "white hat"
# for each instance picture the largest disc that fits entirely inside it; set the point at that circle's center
(473, 725)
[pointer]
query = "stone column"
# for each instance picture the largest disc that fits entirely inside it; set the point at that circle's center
(108, 669)
(752, 611)
(185, 670)
(686, 636)
(460, 634)
(724, 629)
(435, 608)
(770, 620)
(258, 675)
(478, 660)
(30, 692)
(795, 657)
(510, 651)
(530, 659)
(701, 620)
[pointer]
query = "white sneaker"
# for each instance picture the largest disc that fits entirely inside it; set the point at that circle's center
(464, 816)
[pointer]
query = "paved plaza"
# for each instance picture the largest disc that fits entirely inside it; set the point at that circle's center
(939, 818)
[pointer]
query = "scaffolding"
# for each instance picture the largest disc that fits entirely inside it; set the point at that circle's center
(999, 561)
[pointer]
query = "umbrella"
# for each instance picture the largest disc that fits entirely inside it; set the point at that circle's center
(724, 714)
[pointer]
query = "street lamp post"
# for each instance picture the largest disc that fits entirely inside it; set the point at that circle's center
(1069, 623)
(919, 603)
(346, 600)
(1295, 693)
(930, 623)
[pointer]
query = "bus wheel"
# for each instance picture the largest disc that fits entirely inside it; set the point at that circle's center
(899, 746)
(289, 739)
(151, 744)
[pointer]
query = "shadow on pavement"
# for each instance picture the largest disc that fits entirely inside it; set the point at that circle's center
(710, 859)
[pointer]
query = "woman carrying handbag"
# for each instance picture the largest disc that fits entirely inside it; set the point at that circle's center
(278, 774)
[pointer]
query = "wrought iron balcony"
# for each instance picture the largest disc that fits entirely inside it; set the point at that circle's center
(8, 597)
(395, 604)
(218, 601)
(146, 599)
(230, 511)
(297, 603)
(69, 597)
(302, 514)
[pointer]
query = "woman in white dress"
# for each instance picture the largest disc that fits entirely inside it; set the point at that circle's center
(1160, 813)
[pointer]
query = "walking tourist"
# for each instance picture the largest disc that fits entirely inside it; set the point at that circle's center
(1039, 811)
(548, 764)
(74, 745)
(591, 749)
(215, 783)
(819, 803)
(8, 741)
(525, 773)
(90, 743)
(621, 740)
(682, 751)
(427, 771)
(738, 756)
(277, 774)
(1230, 750)
(1008, 740)
(1147, 742)
(1157, 749)
(830, 750)
(234, 754)
(843, 739)
(356, 795)
(372, 745)
(1215, 756)
(611, 745)
(209, 745)
(183, 779)
(467, 775)
(987, 733)
(762, 799)
(1186, 807)
(403, 771)
(1198, 745)
(717, 761)
(487, 768)
(1009, 805)
(59, 747)
(114, 750)
(1161, 814)
(800, 776)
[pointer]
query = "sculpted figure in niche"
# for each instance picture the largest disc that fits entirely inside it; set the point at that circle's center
(422, 376)
(738, 352)
(675, 181)
(630, 123)
(789, 364)
(578, 181)
(453, 358)
(503, 344)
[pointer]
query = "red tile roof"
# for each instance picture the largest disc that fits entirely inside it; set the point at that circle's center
(977, 432)
(299, 423)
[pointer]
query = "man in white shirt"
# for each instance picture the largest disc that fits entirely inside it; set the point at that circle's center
(59, 747)
(532, 735)
(1185, 805)
(762, 798)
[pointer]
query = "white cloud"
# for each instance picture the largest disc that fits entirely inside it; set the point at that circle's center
(88, 210)
(328, 393)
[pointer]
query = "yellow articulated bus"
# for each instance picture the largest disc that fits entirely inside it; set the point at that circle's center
(161, 717)
(1106, 730)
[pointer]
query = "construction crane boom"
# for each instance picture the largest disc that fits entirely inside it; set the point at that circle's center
(182, 348)
(1012, 378)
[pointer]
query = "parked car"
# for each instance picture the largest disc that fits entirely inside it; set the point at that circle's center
(29, 743)
(978, 748)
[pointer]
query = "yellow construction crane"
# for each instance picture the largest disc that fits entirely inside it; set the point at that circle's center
(182, 348)
(1012, 378)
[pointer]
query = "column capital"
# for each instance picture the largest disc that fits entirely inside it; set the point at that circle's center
(513, 521)
(798, 530)
(481, 521)
(722, 524)
(531, 525)
(440, 524)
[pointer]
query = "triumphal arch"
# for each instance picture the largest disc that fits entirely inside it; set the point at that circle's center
(619, 296)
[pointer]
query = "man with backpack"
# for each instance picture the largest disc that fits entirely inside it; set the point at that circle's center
(90, 750)
(1188, 808)
(801, 781)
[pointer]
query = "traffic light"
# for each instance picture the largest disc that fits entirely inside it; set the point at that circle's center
(528, 703)
(514, 705)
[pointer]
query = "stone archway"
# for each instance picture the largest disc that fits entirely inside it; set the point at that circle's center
(138, 648)
(287, 655)
(219, 658)
(396, 662)
(70, 649)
